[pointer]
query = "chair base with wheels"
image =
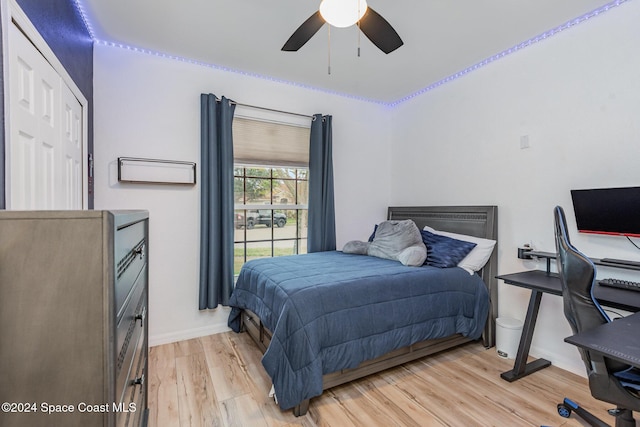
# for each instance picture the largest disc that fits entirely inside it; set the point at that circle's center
(624, 417)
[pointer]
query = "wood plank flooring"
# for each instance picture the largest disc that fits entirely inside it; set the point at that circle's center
(219, 380)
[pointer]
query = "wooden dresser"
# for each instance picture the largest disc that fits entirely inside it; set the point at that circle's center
(73, 318)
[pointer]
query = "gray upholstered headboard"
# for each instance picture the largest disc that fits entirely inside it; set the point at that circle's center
(479, 221)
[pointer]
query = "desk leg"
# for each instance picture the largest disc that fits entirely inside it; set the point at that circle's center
(522, 368)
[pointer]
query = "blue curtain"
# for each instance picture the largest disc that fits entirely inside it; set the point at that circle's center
(322, 218)
(216, 200)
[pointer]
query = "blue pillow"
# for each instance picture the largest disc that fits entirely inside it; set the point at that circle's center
(443, 251)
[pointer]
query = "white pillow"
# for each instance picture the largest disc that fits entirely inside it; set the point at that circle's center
(478, 257)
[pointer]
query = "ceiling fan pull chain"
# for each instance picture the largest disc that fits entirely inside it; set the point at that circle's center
(358, 24)
(329, 50)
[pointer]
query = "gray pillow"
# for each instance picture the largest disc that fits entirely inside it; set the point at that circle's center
(396, 240)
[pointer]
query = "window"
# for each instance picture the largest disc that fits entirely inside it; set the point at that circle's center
(270, 212)
(270, 189)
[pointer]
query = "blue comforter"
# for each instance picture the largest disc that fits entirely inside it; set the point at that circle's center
(330, 311)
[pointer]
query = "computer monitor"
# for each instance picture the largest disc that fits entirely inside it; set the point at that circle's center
(614, 211)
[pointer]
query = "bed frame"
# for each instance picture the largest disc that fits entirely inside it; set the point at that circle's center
(479, 221)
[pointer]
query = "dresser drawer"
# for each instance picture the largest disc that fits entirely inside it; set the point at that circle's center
(130, 255)
(133, 400)
(128, 351)
(133, 316)
(135, 395)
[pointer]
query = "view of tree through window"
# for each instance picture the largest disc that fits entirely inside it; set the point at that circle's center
(270, 212)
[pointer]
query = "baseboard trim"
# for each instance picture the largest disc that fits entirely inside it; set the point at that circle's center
(160, 339)
(573, 365)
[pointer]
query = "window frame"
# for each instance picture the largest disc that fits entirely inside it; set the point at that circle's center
(245, 207)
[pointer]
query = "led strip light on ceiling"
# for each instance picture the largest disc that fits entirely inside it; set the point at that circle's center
(513, 49)
(524, 44)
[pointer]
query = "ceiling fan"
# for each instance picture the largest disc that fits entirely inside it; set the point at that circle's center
(341, 13)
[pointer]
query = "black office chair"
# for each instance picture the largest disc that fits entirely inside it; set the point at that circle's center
(609, 381)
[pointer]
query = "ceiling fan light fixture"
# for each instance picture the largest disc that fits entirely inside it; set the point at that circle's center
(342, 13)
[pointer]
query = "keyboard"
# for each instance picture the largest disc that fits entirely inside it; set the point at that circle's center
(620, 284)
(620, 262)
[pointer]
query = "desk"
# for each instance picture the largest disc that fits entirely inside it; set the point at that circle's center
(539, 282)
(545, 282)
(618, 340)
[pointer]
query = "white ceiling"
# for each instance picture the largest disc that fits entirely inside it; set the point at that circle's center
(441, 37)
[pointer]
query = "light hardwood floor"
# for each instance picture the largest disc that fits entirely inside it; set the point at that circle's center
(218, 380)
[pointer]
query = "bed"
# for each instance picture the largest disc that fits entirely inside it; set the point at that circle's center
(328, 318)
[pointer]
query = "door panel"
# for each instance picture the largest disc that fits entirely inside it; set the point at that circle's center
(45, 144)
(23, 160)
(71, 137)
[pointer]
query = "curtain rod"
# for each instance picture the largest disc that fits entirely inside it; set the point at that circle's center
(271, 109)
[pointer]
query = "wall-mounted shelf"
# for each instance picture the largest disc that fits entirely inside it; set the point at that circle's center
(156, 171)
(605, 262)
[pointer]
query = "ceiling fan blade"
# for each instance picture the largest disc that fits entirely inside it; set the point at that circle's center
(379, 31)
(304, 33)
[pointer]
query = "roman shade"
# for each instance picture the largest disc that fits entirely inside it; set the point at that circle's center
(257, 142)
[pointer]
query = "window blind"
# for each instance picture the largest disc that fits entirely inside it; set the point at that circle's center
(257, 142)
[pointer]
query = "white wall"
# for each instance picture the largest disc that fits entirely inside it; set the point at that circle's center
(576, 96)
(148, 106)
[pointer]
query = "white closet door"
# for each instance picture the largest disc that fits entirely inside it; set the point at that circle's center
(71, 137)
(45, 144)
